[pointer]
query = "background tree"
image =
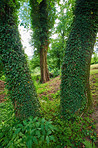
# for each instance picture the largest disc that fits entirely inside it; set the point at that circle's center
(63, 26)
(42, 20)
(55, 54)
(65, 18)
(75, 88)
(18, 79)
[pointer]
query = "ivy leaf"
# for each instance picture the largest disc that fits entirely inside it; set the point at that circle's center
(39, 1)
(17, 130)
(29, 143)
(47, 139)
(35, 140)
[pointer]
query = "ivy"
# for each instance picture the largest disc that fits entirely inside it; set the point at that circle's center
(42, 20)
(75, 92)
(20, 87)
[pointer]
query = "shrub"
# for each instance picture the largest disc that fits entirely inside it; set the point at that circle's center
(31, 132)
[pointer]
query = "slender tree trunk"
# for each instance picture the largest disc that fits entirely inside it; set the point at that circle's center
(44, 41)
(75, 88)
(41, 34)
(18, 79)
(43, 65)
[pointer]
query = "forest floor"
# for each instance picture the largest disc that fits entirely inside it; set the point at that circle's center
(52, 88)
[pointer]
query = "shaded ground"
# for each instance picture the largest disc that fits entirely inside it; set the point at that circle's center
(52, 87)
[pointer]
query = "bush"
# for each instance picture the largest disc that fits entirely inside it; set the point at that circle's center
(2, 78)
(32, 132)
(72, 133)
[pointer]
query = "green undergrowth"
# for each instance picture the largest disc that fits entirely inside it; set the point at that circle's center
(94, 71)
(49, 130)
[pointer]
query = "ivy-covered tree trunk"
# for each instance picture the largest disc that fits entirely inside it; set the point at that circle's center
(42, 19)
(18, 79)
(75, 88)
(39, 17)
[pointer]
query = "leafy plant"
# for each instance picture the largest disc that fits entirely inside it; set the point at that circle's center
(89, 144)
(31, 132)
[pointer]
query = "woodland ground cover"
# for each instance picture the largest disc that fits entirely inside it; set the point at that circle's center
(50, 130)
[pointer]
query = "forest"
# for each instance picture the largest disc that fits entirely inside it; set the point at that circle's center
(49, 100)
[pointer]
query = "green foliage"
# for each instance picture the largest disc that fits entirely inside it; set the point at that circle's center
(20, 87)
(94, 59)
(6, 112)
(24, 14)
(73, 132)
(76, 65)
(70, 133)
(89, 144)
(1, 68)
(67, 133)
(2, 77)
(55, 54)
(31, 132)
(34, 62)
(50, 109)
(58, 45)
(65, 17)
(41, 132)
(42, 20)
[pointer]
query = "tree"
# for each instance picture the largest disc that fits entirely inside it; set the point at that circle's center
(18, 79)
(75, 88)
(65, 17)
(62, 29)
(42, 19)
(55, 54)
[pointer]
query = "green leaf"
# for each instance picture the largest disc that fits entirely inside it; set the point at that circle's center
(38, 133)
(35, 119)
(43, 120)
(49, 132)
(42, 127)
(35, 140)
(17, 130)
(37, 124)
(47, 139)
(42, 138)
(29, 143)
(39, 1)
(52, 138)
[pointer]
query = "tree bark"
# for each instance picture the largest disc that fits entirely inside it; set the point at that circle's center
(43, 65)
(40, 26)
(44, 41)
(75, 88)
(20, 87)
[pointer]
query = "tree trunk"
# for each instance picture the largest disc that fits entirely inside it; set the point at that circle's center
(43, 65)
(18, 79)
(75, 88)
(40, 26)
